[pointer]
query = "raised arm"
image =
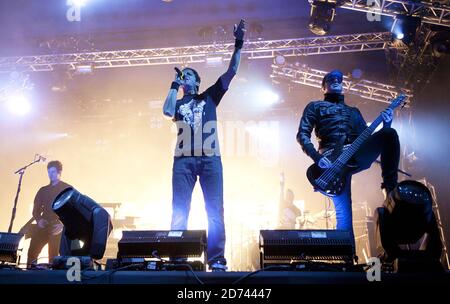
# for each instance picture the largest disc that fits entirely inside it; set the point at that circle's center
(171, 99)
(239, 32)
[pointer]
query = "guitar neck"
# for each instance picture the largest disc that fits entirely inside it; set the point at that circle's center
(348, 153)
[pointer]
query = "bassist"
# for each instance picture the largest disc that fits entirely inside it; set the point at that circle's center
(336, 124)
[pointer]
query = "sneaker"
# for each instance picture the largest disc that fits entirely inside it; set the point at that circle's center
(218, 267)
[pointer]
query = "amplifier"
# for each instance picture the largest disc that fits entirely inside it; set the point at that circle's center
(9, 244)
(142, 264)
(329, 245)
(172, 244)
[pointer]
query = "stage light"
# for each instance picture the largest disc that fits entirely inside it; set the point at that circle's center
(399, 36)
(18, 104)
(267, 97)
(407, 231)
(280, 60)
(85, 69)
(9, 245)
(255, 30)
(321, 16)
(357, 73)
(87, 225)
(214, 61)
(78, 3)
(405, 27)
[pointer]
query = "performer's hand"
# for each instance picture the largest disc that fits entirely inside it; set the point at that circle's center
(325, 163)
(42, 223)
(387, 115)
(57, 228)
(239, 30)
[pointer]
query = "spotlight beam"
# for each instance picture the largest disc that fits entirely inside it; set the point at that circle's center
(18, 105)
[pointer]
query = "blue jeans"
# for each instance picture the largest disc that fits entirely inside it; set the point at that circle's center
(184, 177)
(384, 143)
(343, 207)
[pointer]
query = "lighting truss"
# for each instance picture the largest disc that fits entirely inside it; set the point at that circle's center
(194, 54)
(415, 65)
(432, 12)
(366, 89)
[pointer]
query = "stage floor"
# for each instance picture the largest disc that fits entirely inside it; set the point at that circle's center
(11, 276)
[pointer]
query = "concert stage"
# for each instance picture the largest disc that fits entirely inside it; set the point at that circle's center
(156, 144)
(8, 276)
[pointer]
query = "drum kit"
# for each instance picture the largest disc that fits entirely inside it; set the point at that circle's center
(310, 220)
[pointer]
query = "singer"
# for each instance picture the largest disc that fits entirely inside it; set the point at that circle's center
(48, 228)
(197, 150)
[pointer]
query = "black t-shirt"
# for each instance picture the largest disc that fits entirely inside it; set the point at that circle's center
(196, 120)
(43, 201)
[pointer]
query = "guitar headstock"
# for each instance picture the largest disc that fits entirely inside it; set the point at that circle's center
(400, 100)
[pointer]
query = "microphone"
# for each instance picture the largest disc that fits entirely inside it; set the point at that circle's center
(40, 158)
(180, 74)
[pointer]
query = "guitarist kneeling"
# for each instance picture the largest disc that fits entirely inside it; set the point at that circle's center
(346, 146)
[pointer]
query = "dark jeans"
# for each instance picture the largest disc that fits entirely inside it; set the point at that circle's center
(384, 143)
(40, 238)
(209, 170)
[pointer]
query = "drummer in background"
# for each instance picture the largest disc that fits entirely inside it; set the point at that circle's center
(288, 212)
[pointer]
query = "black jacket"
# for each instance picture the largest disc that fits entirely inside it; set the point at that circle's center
(331, 119)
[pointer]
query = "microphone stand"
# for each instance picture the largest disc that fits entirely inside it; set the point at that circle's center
(21, 172)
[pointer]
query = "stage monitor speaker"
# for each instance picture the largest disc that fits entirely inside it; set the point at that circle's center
(9, 245)
(162, 244)
(306, 245)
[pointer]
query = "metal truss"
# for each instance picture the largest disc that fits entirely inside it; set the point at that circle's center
(414, 66)
(437, 214)
(432, 12)
(194, 54)
(311, 77)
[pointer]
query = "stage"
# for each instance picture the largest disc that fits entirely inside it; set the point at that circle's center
(283, 141)
(10, 276)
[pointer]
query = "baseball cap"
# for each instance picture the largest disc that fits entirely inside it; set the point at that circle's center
(333, 74)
